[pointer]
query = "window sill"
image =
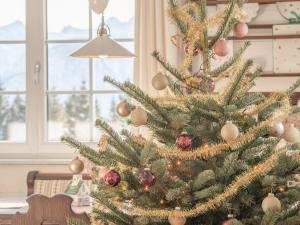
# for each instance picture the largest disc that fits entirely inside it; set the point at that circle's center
(34, 161)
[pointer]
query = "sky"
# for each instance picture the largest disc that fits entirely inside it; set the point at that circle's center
(63, 13)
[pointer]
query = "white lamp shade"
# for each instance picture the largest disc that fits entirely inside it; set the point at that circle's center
(102, 47)
(98, 6)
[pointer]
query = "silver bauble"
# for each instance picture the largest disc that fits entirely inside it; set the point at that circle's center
(271, 202)
(177, 220)
(277, 130)
(76, 166)
(123, 109)
(229, 131)
(160, 81)
(291, 134)
(139, 117)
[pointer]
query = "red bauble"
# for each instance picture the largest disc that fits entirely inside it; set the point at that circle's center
(222, 47)
(147, 179)
(241, 30)
(112, 178)
(186, 49)
(184, 141)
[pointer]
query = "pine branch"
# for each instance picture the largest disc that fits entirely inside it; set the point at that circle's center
(73, 221)
(270, 217)
(168, 66)
(107, 217)
(293, 88)
(180, 24)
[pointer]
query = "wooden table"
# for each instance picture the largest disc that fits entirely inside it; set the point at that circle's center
(11, 208)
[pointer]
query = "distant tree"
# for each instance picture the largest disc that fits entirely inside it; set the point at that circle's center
(114, 116)
(55, 111)
(17, 111)
(4, 106)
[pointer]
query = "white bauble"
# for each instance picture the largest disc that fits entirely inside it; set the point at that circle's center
(139, 117)
(229, 131)
(278, 130)
(98, 6)
(173, 220)
(271, 202)
(291, 134)
(160, 81)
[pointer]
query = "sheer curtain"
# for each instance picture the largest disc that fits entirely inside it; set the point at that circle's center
(154, 32)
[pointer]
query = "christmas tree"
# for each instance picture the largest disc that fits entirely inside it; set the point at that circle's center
(214, 157)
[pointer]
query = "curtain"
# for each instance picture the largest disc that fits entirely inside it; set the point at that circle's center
(153, 32)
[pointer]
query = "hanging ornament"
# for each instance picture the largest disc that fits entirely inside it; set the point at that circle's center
(139, 116)
(230, 131)
(112, 178)
(230, 219)
(277, 130)
(160, 81)
(291, 134)
(147, 179)
(271, 202)
(123, 109)
(240, 30)
(76, 166)
(222, 48)
(196, 51)
(184, 141)
(211, 85)
(173, 220)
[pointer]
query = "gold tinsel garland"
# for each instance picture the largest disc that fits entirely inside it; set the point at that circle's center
(241, 181)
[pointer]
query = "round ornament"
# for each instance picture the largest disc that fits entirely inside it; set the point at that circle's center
(186, 49)
(229, 131)
(147, 178)
(211, 85)
(76, 166)
(277, 130)
(222, 48)
(291, 134)
(160, 81)
(123, 109)
(98, 6)
(173, 220)
(241, 30)
(112, 178)
(271, 202)
(184, 141)
(139, 116)
(229, 220)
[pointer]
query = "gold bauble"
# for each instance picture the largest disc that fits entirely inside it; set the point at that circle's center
(123, 109)
(160, 81)
(139, 117)
(76, 166)
(291, 134)
(230, 131)
(173, 220)
(271, 202)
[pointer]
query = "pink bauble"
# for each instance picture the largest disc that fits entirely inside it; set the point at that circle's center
(241, 30)
(147, 178)
(112, 178)
(222, 48)
(277, 130)
(186, 49)
(230, 218)
(184, 141)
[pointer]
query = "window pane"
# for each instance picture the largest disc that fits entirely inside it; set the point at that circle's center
(12, 23)
(68, 115)
(12, 118)
(68, 19)
(12, 67)
(119, 69)
(64, 72)
(119, 16)
(105, 108)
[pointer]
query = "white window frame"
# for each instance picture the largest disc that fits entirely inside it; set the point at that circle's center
(37, 148)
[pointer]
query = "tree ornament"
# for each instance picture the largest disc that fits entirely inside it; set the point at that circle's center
(230, 219)
(230, 131)
(76, 166)
(211, 85)
(184, 141)
(271, 202)
(277, 130)
(240, 30)
(139, 116)
(160, 81)
(291, 134)
(186, 49)
(123, 109)
(112, 178)
(221, 48)
(147, 179)
(173, 220)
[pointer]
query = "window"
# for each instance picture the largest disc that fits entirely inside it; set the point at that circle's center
(45, 93)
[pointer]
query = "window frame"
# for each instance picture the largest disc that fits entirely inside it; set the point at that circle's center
(37, 147)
